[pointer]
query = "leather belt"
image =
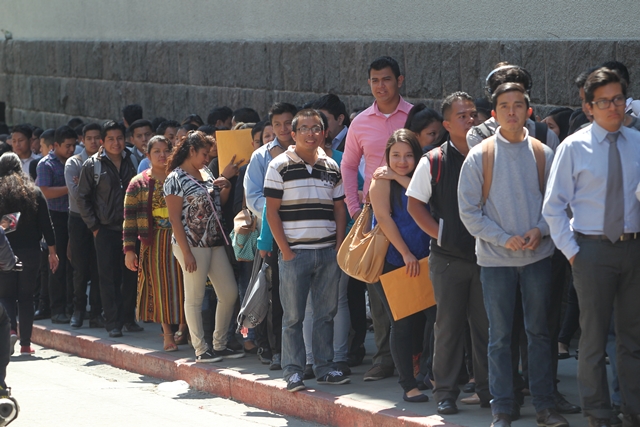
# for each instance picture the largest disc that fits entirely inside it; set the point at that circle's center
(623, 237)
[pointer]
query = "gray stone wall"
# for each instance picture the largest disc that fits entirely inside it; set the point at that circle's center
(47, 82)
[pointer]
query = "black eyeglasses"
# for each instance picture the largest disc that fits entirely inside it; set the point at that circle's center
(618, 101)
(315, 130)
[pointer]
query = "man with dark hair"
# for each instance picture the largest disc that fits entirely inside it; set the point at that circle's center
(103, 180)
(281, 116)
(140, 133)
(504, 73)
(245, 115)
(131, 113)
(35, 140)
(21, 143)
(75, 122)
(595, 174)
(168, 129)
(452, 263)
(83, 252)
(367, 137)
(220, 117)
(501, 207)
(334, 109)
(50, 179)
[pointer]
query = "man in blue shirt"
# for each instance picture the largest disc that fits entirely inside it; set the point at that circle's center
(596, 173)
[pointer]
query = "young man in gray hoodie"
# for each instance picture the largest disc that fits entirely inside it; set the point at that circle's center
(500, 195)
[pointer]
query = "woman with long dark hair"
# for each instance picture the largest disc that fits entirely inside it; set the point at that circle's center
(194, 201)
(426, 123)
(19, 194)
(160, 287)
(408, 244)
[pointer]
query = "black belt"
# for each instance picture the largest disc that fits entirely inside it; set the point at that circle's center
(623, 237)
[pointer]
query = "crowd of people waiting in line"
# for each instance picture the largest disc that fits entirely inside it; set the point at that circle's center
(513, 212)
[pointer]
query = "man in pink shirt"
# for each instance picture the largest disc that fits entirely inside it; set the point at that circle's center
(367, 136)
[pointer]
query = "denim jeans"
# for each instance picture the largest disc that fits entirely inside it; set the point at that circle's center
(315, 271)
(499, 287)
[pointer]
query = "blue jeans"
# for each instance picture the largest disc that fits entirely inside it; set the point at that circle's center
(315, 271)
(499, 286)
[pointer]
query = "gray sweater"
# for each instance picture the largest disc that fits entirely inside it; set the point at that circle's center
(513, 207)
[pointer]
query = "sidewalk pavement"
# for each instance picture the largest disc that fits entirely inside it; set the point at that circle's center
(246, 380)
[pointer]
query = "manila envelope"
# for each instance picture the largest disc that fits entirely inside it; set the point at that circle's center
(232, 142)
(408, 295)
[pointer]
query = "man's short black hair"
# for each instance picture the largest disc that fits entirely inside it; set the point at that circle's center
(449, 100)
(48, 137)
(63, 133)
(4, 129)
(619, 67)
(75, 122)
(281, 108)
(131, 113)
(383, 62)
(509, 87)
(193, 118)
(24, 129)
(189, 127)
(139, 124)
(162, 127)
(246, 115)
(505, 73)
(208, 130)
(110, 125)
(220, 113)
(259, 127)
(78, 130)
(333, 105)
(90, 127)
(307, 112)
(582, 77)
(37, 131)
(602, 77)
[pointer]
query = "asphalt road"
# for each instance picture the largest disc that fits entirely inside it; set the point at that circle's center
(57, 389)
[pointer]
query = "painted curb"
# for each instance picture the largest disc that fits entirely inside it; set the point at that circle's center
(255, 390)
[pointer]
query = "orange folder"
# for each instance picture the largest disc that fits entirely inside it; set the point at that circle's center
(233, 142)
(408, 295)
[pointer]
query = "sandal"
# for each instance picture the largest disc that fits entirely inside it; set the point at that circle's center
(169, 346)
(180, 338)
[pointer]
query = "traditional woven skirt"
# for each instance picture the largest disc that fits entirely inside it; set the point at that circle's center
(160, 285)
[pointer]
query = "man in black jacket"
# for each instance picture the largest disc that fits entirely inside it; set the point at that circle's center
(103, 181)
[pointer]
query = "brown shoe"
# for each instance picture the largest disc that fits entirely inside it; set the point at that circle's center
(551, 418)
(378, 372)
(501, 420)
(471, 400)
(599, 422)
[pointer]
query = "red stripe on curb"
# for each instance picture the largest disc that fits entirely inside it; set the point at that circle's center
(254, 390)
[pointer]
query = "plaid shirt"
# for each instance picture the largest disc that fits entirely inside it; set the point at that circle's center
(51, 174)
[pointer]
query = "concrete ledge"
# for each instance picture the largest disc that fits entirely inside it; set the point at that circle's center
(255, 390)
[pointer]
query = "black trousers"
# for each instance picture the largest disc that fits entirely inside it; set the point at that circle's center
(607, 280)
(118, 284)
(85, 266)
(19, 286)
(274, 322)
(458, 292)
(58, 280)
(5, 350)
(356, 298)
(560, 269)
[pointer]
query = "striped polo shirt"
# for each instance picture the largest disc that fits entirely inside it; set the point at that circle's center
(308, 194)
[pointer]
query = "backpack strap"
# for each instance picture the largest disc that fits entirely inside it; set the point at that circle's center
(541, 132)
(488, 159)
(435, 160)
(538, 154)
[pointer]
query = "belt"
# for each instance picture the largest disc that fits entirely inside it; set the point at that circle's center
(623, 237)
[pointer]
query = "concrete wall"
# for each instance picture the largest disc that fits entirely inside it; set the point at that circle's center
(47, 82)
(362, 20)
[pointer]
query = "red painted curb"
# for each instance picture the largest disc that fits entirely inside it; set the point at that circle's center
(254, 390)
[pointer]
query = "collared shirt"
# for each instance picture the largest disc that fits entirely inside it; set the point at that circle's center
(26, 162)
(339, 138)
(368, 135)
(254, 177)
(578, 179)
(308, 193)
(51, 174)
(72, 170)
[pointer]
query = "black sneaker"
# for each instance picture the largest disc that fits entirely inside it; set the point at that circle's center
(264, 355)
(208, 357)
(308, 372)
(295, 383)
(334, 378)
(227, 353)
(276, 363)
(343, 367)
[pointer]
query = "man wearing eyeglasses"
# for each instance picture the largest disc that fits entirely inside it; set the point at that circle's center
(596, 173)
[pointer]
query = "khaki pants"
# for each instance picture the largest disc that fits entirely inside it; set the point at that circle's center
(212, 263)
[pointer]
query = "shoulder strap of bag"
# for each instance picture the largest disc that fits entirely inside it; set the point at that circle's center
(488, 158)
(541, 132)
(435, 161)
(538, 154)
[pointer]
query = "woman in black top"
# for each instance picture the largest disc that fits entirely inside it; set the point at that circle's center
(19, 194)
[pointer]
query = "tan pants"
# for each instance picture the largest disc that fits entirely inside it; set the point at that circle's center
(211, 262)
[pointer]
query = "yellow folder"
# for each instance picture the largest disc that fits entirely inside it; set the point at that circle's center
(232, 142)
(408, 295)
